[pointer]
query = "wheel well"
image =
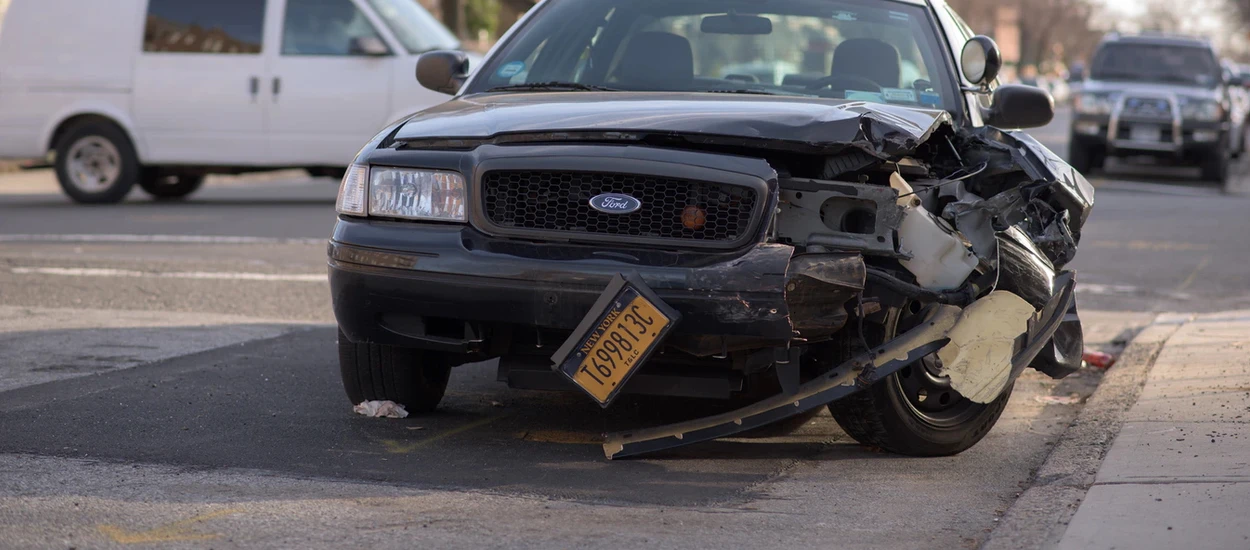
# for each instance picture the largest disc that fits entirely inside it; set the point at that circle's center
(75, 120)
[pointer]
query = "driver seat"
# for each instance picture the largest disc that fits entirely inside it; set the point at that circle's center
(657, 61)
(869, 58)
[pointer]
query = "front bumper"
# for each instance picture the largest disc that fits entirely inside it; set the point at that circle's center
(1179, 138)
(451, 288)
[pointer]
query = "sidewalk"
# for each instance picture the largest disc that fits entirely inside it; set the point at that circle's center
(1178, 473)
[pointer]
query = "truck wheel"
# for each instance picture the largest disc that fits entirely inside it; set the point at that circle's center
(413, 378)
(1083, 159)
(914, 412)
(1215, 168)
(169, 186)
(96, 163)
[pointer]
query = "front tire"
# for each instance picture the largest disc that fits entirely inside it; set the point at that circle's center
(1084, 159)
(914, 412)
(96, 163)
(1215, 167)
(413, 378)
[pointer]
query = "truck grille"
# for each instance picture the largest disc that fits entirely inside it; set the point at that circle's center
(559, 201)
(1147, 108)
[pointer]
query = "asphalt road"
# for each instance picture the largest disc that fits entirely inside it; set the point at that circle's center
(169, 377)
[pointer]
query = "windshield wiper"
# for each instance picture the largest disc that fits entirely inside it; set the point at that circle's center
(744, 91)
(549, 86)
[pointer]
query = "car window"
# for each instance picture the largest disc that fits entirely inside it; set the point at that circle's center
(884, 52)
(323, 27)
(1164, 63)
(414, 27)
(195, 26)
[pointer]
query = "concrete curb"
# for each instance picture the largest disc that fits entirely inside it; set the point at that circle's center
(1039, 517)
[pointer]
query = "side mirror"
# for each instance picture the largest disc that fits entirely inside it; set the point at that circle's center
(443, 70)
(371, 46)
(1238, 80)
(1018, 106)
(980, 60)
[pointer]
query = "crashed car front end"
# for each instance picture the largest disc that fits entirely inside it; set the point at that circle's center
(770, 243)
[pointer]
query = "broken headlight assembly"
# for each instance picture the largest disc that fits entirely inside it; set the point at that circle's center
(404, 193)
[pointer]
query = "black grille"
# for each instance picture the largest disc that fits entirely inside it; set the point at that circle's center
(560, 201)
(1147, 108)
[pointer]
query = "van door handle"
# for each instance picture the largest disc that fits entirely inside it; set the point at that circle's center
(277, 87)
(255, 87)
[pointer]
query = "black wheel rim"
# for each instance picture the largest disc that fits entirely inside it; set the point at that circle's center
(928, 396)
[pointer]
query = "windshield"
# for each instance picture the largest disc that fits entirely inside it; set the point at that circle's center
(1156, 63)
(882, 52)
(414, 27)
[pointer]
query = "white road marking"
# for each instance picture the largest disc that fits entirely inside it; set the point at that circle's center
(182, 239)
(1093, 288)
(203, 275)
(1104, 184)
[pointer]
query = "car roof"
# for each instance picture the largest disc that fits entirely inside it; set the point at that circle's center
(1159, 39)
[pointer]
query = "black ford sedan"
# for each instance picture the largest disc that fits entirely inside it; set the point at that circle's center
(795, 204)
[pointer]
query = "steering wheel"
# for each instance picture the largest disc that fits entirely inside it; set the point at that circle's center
(853, 80)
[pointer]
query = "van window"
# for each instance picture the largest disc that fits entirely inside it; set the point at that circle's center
(195, 26)
(323, 27)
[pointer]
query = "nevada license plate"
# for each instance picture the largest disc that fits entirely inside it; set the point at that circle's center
(1146, 133)
(619, 334)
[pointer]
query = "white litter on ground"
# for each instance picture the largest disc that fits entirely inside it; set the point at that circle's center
(381, 409)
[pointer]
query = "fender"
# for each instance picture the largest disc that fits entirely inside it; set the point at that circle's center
(115, 107)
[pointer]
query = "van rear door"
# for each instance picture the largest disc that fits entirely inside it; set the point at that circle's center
(198, 82)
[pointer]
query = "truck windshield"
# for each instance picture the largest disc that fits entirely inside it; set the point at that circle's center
(1161, 63)
(875, 51)
(413, 26)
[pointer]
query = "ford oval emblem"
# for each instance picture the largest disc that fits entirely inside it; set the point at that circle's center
(615, 203)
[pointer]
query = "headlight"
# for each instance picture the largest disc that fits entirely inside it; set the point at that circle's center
(351, 199)
(416, 194)
(1093, 104)
(1202, 109)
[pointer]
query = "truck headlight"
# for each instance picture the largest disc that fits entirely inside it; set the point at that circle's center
(1205, 110)
(416, 194)
(352, 191)
(1093, 104)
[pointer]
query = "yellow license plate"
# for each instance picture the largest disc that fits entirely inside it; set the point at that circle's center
(620, 339)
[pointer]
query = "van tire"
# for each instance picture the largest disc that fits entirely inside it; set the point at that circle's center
(96, 163)
(411, 377)
(165, 186)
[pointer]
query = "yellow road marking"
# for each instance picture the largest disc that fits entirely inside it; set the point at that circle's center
(177, 531)
(561, 437)
(397, 447)
(1206, 260)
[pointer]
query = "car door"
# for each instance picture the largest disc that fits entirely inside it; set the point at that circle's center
(196, 96)
(330, 81)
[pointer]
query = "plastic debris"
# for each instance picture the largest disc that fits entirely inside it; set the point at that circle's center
(1071, 399)
(1098, 359)
(381, 409)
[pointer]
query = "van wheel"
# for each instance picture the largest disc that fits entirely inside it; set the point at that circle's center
(413, 378)
(96, 163)
(164, 186)
(914, 411)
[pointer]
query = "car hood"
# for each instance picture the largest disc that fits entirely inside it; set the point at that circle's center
(802, 123)
(1127, 87)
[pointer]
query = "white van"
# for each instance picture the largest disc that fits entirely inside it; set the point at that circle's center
(162, 92)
